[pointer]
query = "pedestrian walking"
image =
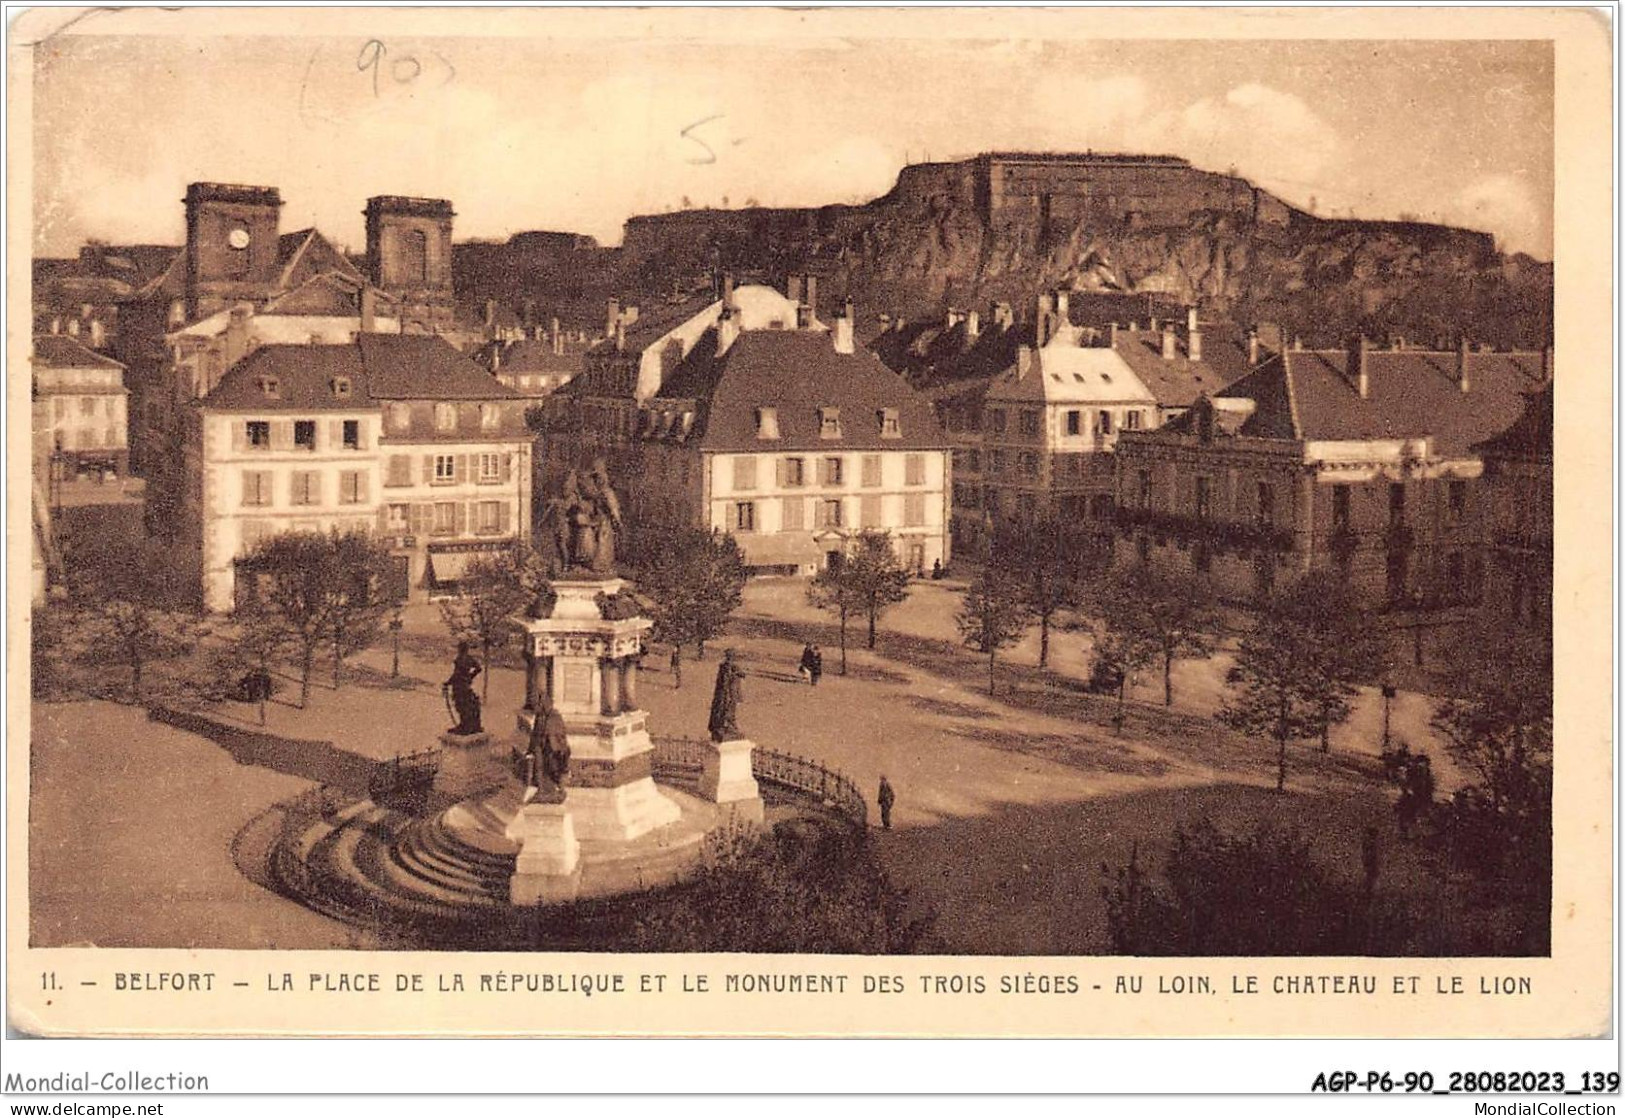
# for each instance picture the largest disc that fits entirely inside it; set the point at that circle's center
(806, 668)
(886, 798)
(817, 664)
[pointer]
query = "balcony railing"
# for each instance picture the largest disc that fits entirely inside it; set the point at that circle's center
(1220, 536)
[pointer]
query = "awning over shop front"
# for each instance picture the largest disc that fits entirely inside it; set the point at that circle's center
(448, 566)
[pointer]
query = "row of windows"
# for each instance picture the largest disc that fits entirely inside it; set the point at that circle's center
(827, 513)
(89, 438)
(888, 420)
(448, 469)
(398, 417)
(442, 518)
(304, 488)
(263, 434)
(447, 518)
(792, 473)
(1264, 506)
(87, 406)
(1076, 420)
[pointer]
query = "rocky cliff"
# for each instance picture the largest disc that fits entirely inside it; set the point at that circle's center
(916, 251)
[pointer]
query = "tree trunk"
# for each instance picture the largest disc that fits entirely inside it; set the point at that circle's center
(677, 667)
(992, 655)
(1043, 640)
(338, 657)
(485, 679)
(1280, 763)
(843, 642)
(304, 675)
(872, 620)
(1168, 679)
(135, 677)
(1122, 691)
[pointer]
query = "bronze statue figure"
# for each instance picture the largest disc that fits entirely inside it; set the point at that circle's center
(548, 759)
(581, 523)
(463, 699)
(725, 700)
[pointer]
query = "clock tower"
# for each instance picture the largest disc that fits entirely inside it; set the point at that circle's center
(232, 252)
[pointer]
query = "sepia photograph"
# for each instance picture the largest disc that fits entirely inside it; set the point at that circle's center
(847, 496)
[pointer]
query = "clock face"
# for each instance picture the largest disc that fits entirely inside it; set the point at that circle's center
(237, 238)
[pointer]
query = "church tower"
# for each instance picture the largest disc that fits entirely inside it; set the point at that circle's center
(409, 256)
(232, 251)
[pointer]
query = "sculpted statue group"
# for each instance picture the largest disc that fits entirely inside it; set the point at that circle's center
(583, 521)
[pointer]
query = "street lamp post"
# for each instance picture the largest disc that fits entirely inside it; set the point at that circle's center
(1388, 693)
(395, 640)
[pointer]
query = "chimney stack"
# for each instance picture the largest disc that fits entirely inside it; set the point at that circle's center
(1191, 325)
(612, 316)
(1046, 319)
(1463, 351)
(1357, 366)
(1003, 316)
(620, 335)
(792, 289)
(369, 309)
(728, 289)
(1252, 347)
(1111, 335)
(727, 328)
(1063, 310)
(843, 327)
(490, 314)
(809, 292)
(557, 336)
(1024, 361)
(1170, 345)
(973, 328)
(803, 316)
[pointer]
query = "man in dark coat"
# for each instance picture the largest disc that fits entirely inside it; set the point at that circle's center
(817, 665)
(807, 661)
(725, 700)
(886, 798)
(549, 756)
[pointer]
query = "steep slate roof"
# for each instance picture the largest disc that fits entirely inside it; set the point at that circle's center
(1530, 436)
(54, 351)
(1178, 382)
(306, 254)
(535, 355)
(380, 367)
(1307, 395)
(796, 372)
(1063, 373)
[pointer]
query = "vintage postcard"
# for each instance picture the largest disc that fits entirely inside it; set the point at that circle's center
(847, 522)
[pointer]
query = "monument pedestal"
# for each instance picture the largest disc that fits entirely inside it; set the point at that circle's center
(582, 660)
(727, 780)
(547, 869)
(453, 740)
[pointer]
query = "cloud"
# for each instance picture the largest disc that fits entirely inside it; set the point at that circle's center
(1094, 111)
(1264, 133)
(1504, 204)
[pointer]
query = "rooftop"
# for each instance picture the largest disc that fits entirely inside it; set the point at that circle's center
(379, 367)
(55, 351)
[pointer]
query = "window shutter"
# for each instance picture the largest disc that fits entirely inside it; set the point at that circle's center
(361, 487)
(383, 519)
(461, 468)
(507, 469)
(459, 523)
(315, 487)
(335, 434)
(781, 470)
(417, 520)
(428, 468)
(504, 517)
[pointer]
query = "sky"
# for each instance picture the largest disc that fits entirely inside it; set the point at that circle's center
(575, 133)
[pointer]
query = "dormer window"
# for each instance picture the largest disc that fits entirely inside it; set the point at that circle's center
(829, 423)
(490, 417)
(400, 416)
(271, 387)
(891, 424)
(445, 417)
(767, 423)
(340, 387)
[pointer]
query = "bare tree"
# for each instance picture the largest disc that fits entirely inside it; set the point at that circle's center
(1055, 560)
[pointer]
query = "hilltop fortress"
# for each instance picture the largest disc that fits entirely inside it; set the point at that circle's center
(1008, 187)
